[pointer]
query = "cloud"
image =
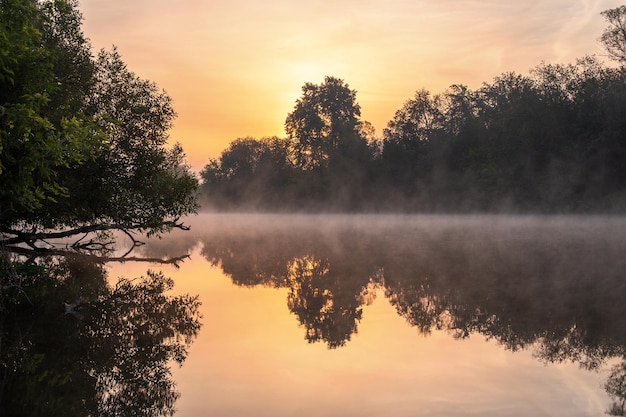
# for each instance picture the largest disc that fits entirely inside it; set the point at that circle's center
(250, 58)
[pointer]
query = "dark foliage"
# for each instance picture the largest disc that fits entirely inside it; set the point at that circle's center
(83, 140)
(75, 345)
(550, 141)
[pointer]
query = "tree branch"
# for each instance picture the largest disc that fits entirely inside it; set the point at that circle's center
(40, 252)
(30, 238)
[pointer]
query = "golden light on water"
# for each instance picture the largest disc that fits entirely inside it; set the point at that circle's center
(260, 304)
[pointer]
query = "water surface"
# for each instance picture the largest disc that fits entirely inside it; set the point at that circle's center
(401, 315)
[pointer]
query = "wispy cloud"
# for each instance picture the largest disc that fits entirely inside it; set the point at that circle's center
(251, 57)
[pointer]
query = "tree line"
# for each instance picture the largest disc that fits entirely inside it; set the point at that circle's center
(549, 141)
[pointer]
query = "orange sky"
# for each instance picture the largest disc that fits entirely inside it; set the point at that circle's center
(234, 68)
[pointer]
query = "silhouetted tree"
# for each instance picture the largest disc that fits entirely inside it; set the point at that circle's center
(407, 139)
(324, 118)
(549, 141)
(250, 172)
(614, 37)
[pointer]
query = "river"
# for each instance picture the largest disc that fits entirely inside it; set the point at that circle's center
(370, 315)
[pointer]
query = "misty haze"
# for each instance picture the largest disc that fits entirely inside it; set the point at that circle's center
(381, 314)
(466, 259)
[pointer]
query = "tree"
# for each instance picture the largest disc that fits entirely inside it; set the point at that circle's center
(614, 37)
(83, 140)
(36, 144)
(140, 182)
(406, 138)
(325, 116)
(249, 171)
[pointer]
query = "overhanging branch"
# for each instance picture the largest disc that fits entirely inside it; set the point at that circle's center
(42, 252)
(30, 238)
(34, 244)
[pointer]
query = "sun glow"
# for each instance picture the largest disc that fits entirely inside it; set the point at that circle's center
(236, 69)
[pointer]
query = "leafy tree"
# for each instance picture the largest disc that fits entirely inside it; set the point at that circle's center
(140, 183)
(35, 144)
(407, 137)
(614, 37)
(249, 171)
(83, 140)
(549, 141)
(326, 116)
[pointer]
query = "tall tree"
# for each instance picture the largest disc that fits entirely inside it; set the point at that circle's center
(406, 137)
(325, 116)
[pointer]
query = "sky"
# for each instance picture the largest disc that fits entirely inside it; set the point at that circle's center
(234, 68)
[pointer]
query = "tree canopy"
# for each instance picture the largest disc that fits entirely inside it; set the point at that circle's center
(549, 141)
(83, 140)
(38, 138)
(325, 117)
(83, 152)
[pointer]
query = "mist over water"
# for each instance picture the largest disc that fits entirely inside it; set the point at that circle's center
(539, 269)
(551, 287)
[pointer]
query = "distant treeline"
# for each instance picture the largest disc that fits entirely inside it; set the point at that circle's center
(550, 141)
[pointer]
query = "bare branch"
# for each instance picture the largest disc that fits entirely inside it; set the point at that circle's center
(30, 238)
(42, 252)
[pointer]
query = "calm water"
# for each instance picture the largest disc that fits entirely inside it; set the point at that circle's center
(330, 316)
(401, 316)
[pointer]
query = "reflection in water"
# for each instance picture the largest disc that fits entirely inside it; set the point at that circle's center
(555, 285)
(72, 344)
(616, 387)
(317, 298)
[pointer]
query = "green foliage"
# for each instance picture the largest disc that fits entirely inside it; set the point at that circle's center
(83, 140)
(33, 147)
(134, 180)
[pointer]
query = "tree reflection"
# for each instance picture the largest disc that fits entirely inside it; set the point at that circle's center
(419, 307)
(316, 298)
(549, 285)
(616, 388)
(74, 345)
